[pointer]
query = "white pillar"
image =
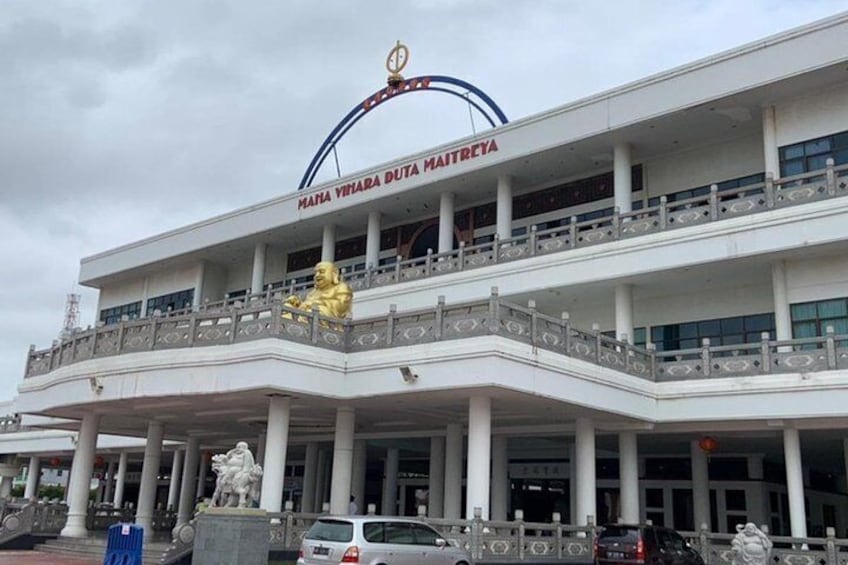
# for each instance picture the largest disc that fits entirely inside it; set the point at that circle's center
(33, 476)
(80, 481)
(328, 243)
(584, 443)
(176, 476)
(436, 502)
(453, 471)
(782, 317)
(624, 312)
(357, 481)
(110, 482)
(622, 178)
(500, 478)
(120, 480)
(794, 483)
(770, 151)
(149, 478)
(700, 485)
(342, 460)
(201, 477)
(257, 279)
(628, 470)
(479, 456)
(276, 444)
(188, 489)
(504, 207)
(320, 481)
(310, 475)
(372, 240)
(197, 301)
(446, 212)
(390, 482)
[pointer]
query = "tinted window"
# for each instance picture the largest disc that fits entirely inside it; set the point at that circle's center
(330, 530)
(619, 533)
(398, 532)
(424, 535)
(373, 532)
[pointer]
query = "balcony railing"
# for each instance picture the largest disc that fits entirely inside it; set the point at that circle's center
(773, 194)
(515, 540)
(492, 317)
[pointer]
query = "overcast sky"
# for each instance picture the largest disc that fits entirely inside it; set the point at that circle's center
(119, 120)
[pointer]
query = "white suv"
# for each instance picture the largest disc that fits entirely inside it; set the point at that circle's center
(377, 540)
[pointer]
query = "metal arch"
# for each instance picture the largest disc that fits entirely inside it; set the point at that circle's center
(385, 94)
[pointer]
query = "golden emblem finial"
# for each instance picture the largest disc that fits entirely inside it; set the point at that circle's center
(395, 62)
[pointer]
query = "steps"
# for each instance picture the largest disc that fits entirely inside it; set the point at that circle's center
(95, 548)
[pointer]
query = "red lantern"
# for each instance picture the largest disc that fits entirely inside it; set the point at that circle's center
(99, 461)
(708, 444)
(55, 462)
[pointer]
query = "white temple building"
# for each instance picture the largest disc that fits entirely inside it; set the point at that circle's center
(633, 305)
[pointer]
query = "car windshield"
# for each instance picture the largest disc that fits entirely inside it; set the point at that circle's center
(330, 530)
(619, 533)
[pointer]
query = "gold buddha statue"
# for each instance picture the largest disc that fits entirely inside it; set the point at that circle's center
(331, 296)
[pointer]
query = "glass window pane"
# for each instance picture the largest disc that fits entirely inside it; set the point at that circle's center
(832, 308)
(732, 339)
(840, 325)
(818, 162)
(689, 343)
(804, 329)
(840, 140)
(803, 311)
(689, 330)
(759, 322)
(840, 157)
(792, 152)
(709, 328)
(732, 325)
(817, 146)
(789, 168)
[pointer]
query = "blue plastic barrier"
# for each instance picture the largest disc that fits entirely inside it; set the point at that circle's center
(124, 545)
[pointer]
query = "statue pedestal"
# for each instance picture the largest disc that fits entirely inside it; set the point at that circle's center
(225, 536)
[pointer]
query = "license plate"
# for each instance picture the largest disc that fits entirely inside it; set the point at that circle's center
(615, 554)
(320, 551)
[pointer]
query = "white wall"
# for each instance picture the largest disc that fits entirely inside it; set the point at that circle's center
(239, 275)
(120, 294)
(816, 115)
(172, 280)
(817, 279)
(651, 308)
(276, 259)
(704, 165)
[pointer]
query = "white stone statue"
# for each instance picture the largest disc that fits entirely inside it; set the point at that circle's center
(239, 477)
(751, 546)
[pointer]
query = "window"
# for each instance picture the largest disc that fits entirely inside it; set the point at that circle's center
(170, 302)
(115, 314)
(812, 155)
(424, 535)
(810, 319)
(704, 190)
(721, 331)
(398, 532)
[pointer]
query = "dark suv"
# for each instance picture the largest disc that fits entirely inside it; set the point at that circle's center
(652, 545)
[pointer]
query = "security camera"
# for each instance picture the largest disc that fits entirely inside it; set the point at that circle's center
(95, 384)
(408, 376)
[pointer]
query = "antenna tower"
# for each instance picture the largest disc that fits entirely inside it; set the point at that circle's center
(71, 316)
